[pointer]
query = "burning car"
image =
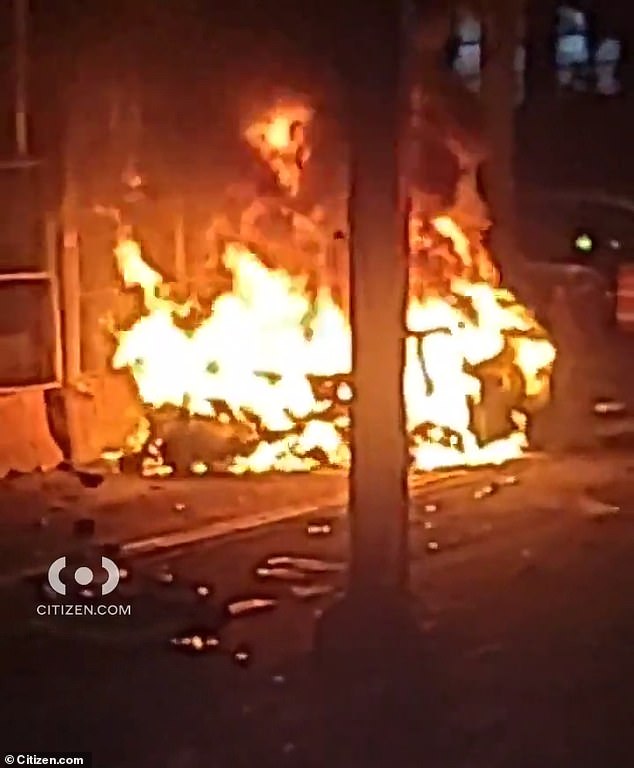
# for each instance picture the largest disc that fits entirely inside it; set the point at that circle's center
(260, 379)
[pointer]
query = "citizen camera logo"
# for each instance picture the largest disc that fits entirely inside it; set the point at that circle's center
(84, 576)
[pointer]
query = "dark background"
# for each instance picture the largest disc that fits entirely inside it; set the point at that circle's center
(200, 68)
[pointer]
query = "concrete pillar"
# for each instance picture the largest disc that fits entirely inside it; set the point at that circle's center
(378, 480)
(373, 618)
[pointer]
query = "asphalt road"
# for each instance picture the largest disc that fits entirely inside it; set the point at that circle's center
(523, 602)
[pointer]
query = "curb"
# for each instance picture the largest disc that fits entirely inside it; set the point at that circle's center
(223, 528)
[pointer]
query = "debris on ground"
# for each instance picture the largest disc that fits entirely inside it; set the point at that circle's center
(430, 508)
(165, 576)
(124, 573)
(486, 490)
(280, 574)
(606, 407)
(306, 564)
(246, 606)
(196, 640)
(242, 656)
(596, 509)
(433, 546)
(319, 527)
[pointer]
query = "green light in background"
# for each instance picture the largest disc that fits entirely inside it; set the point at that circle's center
(584, 243)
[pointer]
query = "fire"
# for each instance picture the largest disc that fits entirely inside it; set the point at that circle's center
(279, 137)
(276, 358)
(271, 360)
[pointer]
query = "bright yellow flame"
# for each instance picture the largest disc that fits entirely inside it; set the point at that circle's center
(278, 132)
(279, 139)
(265, 341)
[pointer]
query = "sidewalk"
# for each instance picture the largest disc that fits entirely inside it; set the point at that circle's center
(37, 511)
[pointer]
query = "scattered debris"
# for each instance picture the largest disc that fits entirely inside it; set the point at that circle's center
(508, 480)
(486, 490)
(242, 656)
(306, 564)
(124, 573)
(597, 510)
(319, 527)
(89, 479)
(311, 591)
(180, 507)
(202, 590)
(606, 407)
(428, 525)
(165, 576)
(430, 508)
(196, 640)
(433, 546)
(281, 574)
(246, 606)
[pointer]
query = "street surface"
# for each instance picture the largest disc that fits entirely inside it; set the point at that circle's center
(520, 587)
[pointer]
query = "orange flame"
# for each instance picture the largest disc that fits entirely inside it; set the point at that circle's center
(267, 340)
(279, 138)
